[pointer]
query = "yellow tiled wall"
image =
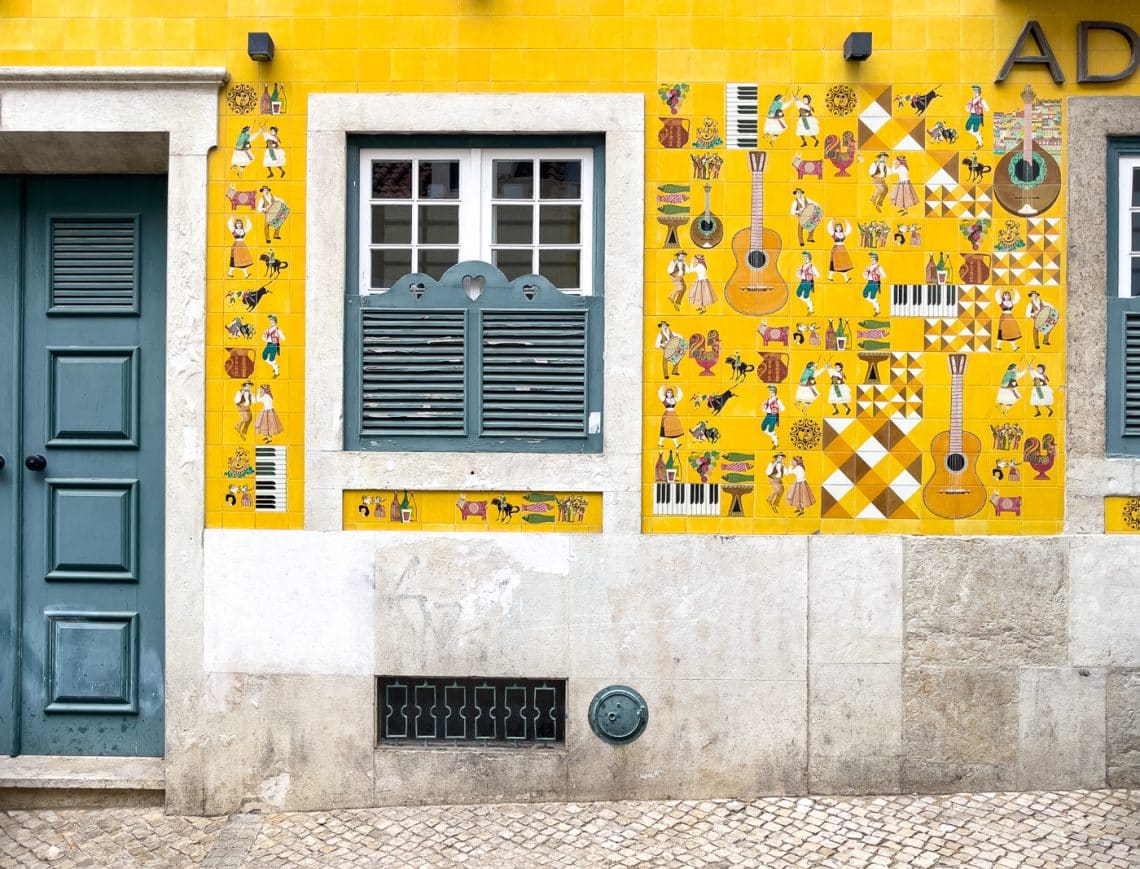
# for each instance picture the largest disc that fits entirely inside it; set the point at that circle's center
(404, 510)
(641, 46)
(1121, 515)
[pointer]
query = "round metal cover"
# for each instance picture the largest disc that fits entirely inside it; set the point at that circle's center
(618, 714)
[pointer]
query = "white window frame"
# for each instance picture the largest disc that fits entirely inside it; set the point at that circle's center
(1124, 251)
(475, 174)
(329, 469)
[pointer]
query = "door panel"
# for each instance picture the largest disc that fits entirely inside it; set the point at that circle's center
(92, 387)
(10, 474)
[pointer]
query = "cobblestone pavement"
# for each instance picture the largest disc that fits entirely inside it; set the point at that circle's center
(981, 831)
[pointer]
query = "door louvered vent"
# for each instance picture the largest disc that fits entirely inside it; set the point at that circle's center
(1132, 374)
(412, 373)
(94, 263)
(534, 373)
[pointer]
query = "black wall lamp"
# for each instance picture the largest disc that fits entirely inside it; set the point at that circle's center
(259, 46)
(857, 45)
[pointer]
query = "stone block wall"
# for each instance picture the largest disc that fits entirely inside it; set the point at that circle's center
(770, 665)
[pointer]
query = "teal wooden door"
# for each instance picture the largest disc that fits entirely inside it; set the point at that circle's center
(88, 474)
(9, 453)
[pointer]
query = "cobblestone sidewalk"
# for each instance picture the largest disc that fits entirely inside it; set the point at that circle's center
(981, 831)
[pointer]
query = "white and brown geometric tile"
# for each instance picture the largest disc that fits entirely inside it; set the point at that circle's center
(887, 401)
(879, 130)
(958, 200)
(966, 334)
(1028, 268)
(974, 299)
(1044, 234)
(906, 369)
(872, 469)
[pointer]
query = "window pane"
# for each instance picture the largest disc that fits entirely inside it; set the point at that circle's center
(388, 266)
(514, 179)
(392, 180)
(559, 224)
(1135, 232)
(513, 263)
(561, 179)
(1135, 276)
(561, 267)
(1136, 187)
(439, 224)
(439, 179)
(391, 224)
(514, 224)
(436, 262)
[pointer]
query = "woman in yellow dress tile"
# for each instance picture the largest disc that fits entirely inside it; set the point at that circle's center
(840, 259)
(240, 257)
(670, 423)
(1008, 331)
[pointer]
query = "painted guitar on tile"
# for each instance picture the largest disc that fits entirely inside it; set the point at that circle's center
(1027, 180)
(955, 491)
(756, 288)
(707, 229)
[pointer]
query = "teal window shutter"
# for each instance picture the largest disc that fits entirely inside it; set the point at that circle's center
(1122, 371)
(474, 362)
(1131, 374)
(534, 373)
(412, 371)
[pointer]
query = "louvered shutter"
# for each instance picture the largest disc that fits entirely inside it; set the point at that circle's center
(534, 373)
(1131, 377)
(94, 263)
(413, 373)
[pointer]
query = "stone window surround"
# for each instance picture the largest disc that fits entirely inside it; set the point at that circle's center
(329, 468)
(147, 119)
(1090, 474)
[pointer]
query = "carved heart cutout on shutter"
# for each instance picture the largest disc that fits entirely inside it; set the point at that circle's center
(530, 291)
(474, 285)
(417, 290)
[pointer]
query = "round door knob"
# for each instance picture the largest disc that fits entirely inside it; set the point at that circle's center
(35, 463)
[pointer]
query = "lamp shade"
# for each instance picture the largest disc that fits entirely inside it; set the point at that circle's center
(259, 46)
(857, 46)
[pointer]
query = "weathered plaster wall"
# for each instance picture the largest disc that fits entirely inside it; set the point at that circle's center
(770, 665)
